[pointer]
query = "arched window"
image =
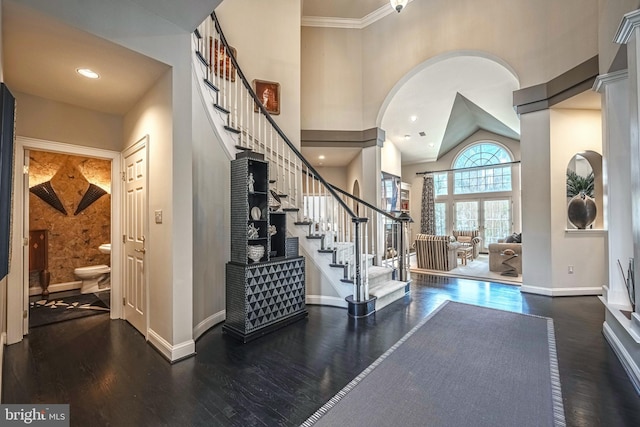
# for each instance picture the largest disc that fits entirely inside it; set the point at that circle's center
(479, 171)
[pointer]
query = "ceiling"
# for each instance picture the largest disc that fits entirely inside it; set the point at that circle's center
(354, 9)
(41, 56)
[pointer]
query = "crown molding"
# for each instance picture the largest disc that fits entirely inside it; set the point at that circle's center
(630, 21)
(606, 79)
(352, 23)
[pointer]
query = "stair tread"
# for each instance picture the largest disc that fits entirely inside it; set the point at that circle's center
(385, 288)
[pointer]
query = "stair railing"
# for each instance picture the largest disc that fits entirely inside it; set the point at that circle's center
(388, 245)
(256, 130)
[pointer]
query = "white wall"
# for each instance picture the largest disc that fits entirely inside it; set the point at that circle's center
(391, 159)
(266, 36)
(610, 14)
(332, 78)
(152, 116)
(49, 120)
(211, 220)
(550, 139)
(336, 176)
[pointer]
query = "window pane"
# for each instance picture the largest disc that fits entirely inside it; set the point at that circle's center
(440, 183)
(485, 180)
(497, 223)
(467, 214)
(441, 219)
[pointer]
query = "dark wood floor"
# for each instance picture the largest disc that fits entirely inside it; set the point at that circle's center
(110, 376)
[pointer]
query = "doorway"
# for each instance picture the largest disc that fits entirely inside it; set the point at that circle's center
(491, 216)
(18, 279)
(68, 218)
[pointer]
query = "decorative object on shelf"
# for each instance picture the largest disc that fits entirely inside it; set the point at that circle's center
(630, 283)
(582, 211)
(274, 201)
(252, 232)
(250, 182)
(256, 213)
(255, 252)
(272, 230)
(269, 94)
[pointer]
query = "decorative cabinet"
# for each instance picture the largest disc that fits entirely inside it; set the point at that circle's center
(265, 279)
(405, 197)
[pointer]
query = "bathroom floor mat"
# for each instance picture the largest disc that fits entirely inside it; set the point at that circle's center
(53, 310)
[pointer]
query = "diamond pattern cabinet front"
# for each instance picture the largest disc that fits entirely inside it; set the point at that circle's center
(263, 297)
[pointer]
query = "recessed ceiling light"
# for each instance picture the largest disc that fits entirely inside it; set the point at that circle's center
(321, 157)
(431, 145)
(86, 72)
(414, 118)
(407, 136)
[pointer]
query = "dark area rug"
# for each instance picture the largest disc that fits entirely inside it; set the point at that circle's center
(44, 312)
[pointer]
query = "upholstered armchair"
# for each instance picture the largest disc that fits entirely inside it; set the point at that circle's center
(469, 238)
(436, 252)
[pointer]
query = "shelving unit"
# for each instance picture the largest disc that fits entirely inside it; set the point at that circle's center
(265, 291)
(405, 197)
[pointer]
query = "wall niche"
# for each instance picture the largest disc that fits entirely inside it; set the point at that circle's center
(584, 175)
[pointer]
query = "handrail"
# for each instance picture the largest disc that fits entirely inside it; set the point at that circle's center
(266, 114)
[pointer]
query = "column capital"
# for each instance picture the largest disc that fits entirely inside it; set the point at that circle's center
(630, 21)
(606, 79)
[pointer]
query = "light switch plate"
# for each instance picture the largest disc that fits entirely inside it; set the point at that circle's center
(158, 216)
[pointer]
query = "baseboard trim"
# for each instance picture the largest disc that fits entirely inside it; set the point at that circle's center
(209, 323)
(560, 292)
(325, 300)
(629, 365)
(173, 353)
(58, 287)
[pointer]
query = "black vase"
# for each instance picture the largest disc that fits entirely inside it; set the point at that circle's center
(582, 211)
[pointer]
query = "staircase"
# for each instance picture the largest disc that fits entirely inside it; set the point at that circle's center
(355, 261)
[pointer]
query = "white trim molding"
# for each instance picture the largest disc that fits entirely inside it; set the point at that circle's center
(606, 79)
(173, 353)
(209, 323)
(560, 292)
(630, 21)
(325, 300)
(353, 23)
(629, 365)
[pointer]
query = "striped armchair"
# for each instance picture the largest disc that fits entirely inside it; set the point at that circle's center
(469, 238)
(436, 252)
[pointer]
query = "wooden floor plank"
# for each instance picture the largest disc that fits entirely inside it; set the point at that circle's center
(111, 376)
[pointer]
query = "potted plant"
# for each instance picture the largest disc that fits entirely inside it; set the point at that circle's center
(582, 208)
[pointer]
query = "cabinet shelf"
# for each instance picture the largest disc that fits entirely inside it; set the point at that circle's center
(270, 293)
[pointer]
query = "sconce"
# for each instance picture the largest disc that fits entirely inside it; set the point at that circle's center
(92, 194)
(46, 192)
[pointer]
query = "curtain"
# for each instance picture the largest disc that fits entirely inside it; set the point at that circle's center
(428, 212)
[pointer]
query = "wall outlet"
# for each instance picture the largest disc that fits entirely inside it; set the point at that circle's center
(570, 269)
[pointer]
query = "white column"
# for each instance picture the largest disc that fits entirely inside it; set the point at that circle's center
(629, 34)
(614, 88)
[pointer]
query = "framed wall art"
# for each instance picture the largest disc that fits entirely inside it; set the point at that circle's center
(221, 62)
(269, 94)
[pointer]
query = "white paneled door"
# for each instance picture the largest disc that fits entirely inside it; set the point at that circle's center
(135, 230)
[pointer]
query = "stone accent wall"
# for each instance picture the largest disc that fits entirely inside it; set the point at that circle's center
(73, 239)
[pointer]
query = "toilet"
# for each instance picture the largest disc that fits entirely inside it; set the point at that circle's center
(95, 278)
